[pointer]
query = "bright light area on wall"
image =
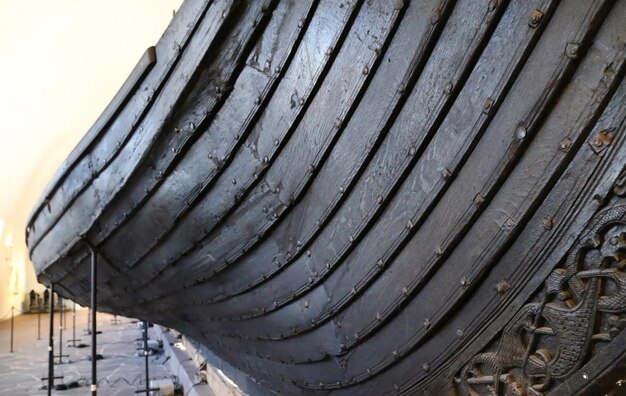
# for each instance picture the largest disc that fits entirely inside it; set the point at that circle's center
(8, 241)
(1, 227)
(63, 61)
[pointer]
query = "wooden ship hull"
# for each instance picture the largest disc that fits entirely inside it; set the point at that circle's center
(364, 197)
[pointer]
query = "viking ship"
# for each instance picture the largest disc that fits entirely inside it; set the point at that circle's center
(364, 197)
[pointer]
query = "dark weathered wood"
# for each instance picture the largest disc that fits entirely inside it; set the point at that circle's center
(365, 197)
(94, 154)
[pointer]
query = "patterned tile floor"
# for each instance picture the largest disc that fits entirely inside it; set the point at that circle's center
(121, 371)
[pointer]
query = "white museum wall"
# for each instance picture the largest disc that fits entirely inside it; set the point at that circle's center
(61, 62)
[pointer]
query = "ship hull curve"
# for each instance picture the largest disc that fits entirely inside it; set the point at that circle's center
(364, 197)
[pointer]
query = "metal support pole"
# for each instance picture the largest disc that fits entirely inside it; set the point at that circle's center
(39, 321)
(60, 301)
(74, 326)
(51, 344)
(94, 381)
(12, 322)
(88, 331)
(74, 339)
(145, 352)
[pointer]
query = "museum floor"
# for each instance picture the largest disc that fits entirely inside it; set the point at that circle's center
(120, 372)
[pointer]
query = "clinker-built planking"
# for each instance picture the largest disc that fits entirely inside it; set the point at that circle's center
(364, 197)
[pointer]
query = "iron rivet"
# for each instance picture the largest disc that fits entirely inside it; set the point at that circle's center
(488, 105)
(565, 144)
(535, 18)
(548, 222)
(597, 142)
(572, 50)
(398, 4)
(503, 286)
(598, 199)
(435, 15)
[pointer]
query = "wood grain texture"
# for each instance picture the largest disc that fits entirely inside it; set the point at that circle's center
(353, 196)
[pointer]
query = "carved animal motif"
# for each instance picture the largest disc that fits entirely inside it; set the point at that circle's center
(591, 283)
